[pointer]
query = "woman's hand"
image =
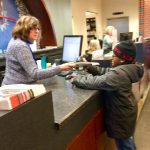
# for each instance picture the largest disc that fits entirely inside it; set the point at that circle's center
(67, 66)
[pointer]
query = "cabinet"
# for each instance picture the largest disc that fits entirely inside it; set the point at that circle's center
(87, 138)
(92, 136)
(91, 28)
(29, 126)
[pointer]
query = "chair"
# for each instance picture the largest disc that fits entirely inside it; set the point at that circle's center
(101, 43)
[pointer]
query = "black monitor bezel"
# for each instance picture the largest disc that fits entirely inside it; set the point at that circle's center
(65, 36)
(126, 33)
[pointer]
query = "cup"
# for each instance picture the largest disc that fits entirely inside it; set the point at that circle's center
(43, 62)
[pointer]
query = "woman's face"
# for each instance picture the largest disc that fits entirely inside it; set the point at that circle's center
(34, 34)
(110, 32)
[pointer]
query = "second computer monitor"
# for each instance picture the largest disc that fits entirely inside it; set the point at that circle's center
(72, 45)
(126, 36)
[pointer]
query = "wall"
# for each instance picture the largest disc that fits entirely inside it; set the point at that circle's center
(60, 14)
(146, 18)
(79, 18)
(68, 16)
(129, 7)
(144, 15)
(104, 9)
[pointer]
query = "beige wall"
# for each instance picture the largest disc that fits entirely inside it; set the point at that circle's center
(129, 7)
(79, 7)
(68, 16)
(104, 9)
(61, 17)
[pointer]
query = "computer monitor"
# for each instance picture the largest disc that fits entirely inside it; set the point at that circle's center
(126, 36)
(72, 45)
(139, 52)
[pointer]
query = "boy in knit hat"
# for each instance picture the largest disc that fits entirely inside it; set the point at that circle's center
(116, 84)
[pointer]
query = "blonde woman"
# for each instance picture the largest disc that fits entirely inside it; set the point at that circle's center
(93, 46)
(21, 65)
(108, 38)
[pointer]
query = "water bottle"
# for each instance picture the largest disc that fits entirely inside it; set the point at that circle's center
(43, 62)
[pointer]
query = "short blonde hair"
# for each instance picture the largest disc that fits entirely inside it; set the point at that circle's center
(23, 26)
(109, 29)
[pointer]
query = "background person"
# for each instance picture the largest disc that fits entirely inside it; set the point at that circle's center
(21, 67)
(109, 39)
(119, 102)
(94, 45)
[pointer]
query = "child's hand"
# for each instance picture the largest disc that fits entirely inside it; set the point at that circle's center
(70, 77)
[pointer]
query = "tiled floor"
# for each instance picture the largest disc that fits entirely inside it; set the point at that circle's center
(142, 133)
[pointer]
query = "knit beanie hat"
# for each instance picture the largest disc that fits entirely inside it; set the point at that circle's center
(125, 50)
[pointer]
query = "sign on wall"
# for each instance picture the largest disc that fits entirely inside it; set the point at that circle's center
(8, 17)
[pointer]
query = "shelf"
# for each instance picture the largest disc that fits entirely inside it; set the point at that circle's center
(91, 35)
(91, 28)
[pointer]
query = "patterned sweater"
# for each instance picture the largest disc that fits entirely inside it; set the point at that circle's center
(21, 67)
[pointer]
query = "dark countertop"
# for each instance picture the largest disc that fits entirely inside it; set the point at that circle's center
(67, 99)
(32, 123)
(38, 54)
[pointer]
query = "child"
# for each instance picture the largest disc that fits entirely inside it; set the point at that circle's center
(119, 101)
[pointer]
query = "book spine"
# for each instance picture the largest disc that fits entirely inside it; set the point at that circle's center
(31, 93)
(14, 100)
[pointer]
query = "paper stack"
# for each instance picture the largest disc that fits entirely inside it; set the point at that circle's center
(13, 95)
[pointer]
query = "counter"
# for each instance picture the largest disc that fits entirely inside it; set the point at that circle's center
(51, 53)
(51, 121)
(64, 118)
(67, 99)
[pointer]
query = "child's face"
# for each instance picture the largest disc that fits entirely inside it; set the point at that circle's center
(115, 61)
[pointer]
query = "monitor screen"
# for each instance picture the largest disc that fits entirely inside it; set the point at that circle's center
(139, 52)
(126, 36)
(72, 45)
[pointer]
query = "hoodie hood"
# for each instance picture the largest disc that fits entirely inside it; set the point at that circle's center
(134, 71)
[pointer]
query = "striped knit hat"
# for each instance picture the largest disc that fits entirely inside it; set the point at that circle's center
(125, 50)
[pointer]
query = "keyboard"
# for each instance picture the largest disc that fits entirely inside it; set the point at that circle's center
(80, 72)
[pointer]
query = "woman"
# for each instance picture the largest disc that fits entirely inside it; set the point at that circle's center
(94, 45)
(21, 66)
(108, 39)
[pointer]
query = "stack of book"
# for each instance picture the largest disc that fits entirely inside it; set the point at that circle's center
(13, 95)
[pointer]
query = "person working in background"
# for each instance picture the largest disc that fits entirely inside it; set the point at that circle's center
(119, 102)
(94, 46)
(109, 39)
(21, 67)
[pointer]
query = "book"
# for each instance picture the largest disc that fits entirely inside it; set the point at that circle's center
(37, 89)
(10, 98)
(8, 103)
(13, 95)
